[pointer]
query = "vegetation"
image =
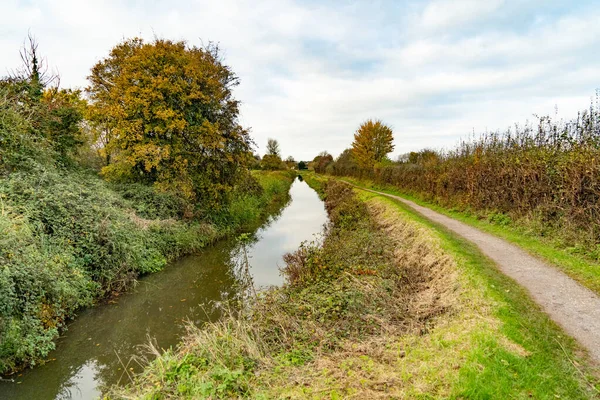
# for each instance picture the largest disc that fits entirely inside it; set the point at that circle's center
(273, 147)
(290, 163)
(540, 178)
(168, 118)
(272, 160)
(69, 238)
(345, 164)
(372, 143)
(420, 313)
(319, 163)
(154, 164)
(576, 264)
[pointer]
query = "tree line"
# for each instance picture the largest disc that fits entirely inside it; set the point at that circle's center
(373, 141)
(542, 176)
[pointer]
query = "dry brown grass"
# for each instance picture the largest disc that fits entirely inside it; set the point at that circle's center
(430, 272)
(144, 223)
(421, 321)
(382, 366)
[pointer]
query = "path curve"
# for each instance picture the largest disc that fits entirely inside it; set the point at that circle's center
(575, 308)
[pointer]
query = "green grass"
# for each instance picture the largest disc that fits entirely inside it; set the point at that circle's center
(555, 368)
(338, 331)
(69, 239)
(577, 265)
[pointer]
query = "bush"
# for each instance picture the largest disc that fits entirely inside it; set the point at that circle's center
(148, 203)
(18, 147)
(67, 238)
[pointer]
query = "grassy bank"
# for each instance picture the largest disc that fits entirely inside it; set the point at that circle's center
(69, 239)
(576, 263)
(386, 306)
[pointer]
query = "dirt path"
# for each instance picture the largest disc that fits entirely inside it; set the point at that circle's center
(575, 308)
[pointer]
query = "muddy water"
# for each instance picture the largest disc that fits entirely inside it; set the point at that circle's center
(97, 348)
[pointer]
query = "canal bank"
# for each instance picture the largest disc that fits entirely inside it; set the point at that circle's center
(97, 348)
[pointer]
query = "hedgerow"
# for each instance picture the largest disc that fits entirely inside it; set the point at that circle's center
(545, 177)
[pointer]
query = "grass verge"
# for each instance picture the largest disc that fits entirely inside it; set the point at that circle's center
(571, 260)
(387, 306)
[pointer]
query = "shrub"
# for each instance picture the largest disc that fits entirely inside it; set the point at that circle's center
(67, 238)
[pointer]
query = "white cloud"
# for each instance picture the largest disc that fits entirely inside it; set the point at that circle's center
(442, 14)
(311, 72)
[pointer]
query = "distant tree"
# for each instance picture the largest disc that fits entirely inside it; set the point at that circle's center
(321, 162)
(34, 69)
(402, 158)
(345, 164)
(273, 148)
(302, 165)
(346, 157)
(422, 157)
(170, 119)
(272, 162)
(372, 142)
(290, 162)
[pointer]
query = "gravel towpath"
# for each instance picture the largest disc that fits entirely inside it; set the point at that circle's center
(575, 308)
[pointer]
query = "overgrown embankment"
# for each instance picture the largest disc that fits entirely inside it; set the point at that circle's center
(68, 239)
(160, 123)
(383, 307)
(337, 294)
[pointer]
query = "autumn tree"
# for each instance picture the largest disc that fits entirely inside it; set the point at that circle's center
(272, 160)
(167, 117)
(290, 162)
(345, 163)
(321, 162)
(372, 142)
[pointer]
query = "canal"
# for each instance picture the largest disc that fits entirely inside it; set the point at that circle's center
(98, 347)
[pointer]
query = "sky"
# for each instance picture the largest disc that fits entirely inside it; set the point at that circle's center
(311, 71)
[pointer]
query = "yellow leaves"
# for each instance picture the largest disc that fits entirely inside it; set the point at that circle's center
(116, 172)
(170, 117)
(372, 142)
(149, 155)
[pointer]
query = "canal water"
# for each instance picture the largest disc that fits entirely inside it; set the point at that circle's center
(98, 346)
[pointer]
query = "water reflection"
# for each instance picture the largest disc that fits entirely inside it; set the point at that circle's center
(99, 344)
